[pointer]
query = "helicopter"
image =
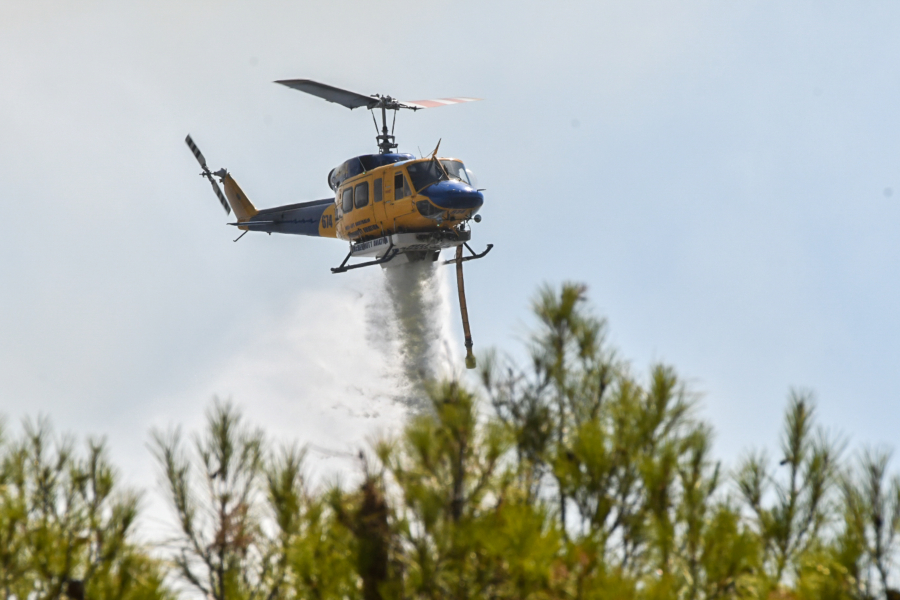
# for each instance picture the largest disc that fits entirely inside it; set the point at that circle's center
(391, 207)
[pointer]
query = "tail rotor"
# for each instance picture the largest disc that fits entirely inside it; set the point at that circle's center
(209, 174)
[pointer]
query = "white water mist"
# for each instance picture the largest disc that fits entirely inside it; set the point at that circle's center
(410, 322)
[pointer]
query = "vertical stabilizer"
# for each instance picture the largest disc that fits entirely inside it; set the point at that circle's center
(240, 204)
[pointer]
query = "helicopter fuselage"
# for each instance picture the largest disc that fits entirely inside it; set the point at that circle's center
(401, 195)
(386, 205)
(382, 203)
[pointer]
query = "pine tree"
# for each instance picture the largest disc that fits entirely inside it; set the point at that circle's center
(66, 523)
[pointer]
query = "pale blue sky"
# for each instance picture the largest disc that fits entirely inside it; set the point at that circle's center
(724, 176)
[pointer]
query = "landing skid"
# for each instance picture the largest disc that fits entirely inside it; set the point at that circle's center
(410, 247)
(474, 256)
(394, 252)
(389, 255)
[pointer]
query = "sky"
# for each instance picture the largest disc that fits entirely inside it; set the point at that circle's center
(724, 177)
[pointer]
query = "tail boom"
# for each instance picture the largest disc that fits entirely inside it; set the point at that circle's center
(314, 218)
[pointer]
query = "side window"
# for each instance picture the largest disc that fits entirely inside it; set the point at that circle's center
(347, 199)
(361, 194)
(377, 190)
(401, 187)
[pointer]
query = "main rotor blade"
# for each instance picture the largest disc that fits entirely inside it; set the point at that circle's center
(220, 195)
(197, 154)
(416, 104)
(346, 98)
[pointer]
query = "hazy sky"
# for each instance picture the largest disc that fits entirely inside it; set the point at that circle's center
(725, 177)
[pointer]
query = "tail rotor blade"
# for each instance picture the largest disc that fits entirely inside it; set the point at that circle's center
(197, 154)
(206, 173)
(220, 195)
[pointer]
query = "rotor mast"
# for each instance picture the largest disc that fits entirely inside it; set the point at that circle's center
(386, 141)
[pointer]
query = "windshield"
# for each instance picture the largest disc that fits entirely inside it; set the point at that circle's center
(456, 170)
(424, 174)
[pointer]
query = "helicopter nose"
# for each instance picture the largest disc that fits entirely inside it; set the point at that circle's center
(450, 195)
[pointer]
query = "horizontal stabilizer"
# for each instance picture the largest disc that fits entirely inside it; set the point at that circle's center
(248, 223)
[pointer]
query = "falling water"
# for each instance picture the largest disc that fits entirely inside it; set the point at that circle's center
(410, 321)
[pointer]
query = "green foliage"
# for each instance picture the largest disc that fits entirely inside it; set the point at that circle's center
(866, 547)
(792, 507)
(216, 489)
(63, 518)
(586, 481)
(324, 557)
(573, 479)
(459, 517)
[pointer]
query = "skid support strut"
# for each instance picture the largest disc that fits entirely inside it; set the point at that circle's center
(470, 358)
(473, 257)
(390, 254)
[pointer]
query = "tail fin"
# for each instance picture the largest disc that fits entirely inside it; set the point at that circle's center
(240, 204)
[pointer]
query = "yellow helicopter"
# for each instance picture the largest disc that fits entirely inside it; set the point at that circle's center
(391, 207)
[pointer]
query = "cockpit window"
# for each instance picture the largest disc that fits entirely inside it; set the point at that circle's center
(424, 174)
(347, 199)
(457, 170)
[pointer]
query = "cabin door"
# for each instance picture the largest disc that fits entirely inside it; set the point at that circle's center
(362, 218)
(397, 203)
(378, 203)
